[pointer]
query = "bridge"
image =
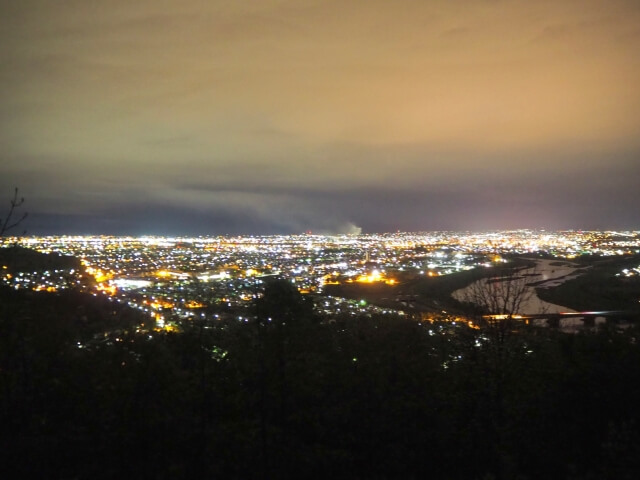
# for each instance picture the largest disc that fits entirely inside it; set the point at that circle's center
(589, 319)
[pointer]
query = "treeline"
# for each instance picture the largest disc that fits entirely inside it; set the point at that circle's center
(286, 394)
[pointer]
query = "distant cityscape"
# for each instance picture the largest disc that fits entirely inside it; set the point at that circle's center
(173, 278)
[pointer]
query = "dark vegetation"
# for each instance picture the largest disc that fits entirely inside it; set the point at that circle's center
(599, 288)
(20, 259)
(378, 293)
(286, 395)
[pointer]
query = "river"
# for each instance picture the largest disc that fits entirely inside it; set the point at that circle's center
(543, 271)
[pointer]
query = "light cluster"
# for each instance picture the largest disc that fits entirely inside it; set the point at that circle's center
(176, 277)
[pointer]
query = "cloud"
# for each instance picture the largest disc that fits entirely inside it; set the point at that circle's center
(292, 115)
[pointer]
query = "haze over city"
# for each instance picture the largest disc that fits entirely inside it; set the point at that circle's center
(268, 117)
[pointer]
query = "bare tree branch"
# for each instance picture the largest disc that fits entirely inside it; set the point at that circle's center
(496, 301)
(11, 221)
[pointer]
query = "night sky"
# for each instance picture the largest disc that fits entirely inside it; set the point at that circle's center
(187, 117)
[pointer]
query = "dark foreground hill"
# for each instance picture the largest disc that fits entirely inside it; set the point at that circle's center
(288, 396)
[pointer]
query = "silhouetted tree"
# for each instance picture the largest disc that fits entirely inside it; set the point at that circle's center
(282, 314)
(497, 358)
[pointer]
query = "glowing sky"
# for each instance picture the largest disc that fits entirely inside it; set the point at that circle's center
(214, 117)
